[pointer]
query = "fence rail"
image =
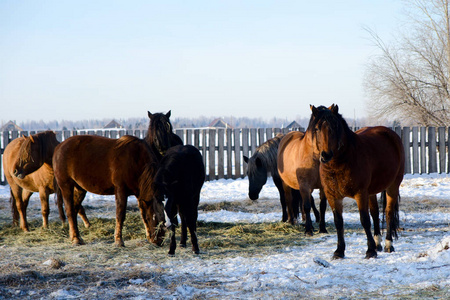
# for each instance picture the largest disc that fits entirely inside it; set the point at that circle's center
(426, 148)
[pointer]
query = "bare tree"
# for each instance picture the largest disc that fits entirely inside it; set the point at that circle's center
(409, 79)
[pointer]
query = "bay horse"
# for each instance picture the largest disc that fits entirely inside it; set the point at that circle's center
(358, 165)
(298, 166)
(104, 166)
(182, 174)
(27, 164)
(264, 162)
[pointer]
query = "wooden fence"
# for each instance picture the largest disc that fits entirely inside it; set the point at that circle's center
(426, 148)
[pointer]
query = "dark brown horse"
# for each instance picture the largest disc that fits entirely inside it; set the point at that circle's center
(120, 167)
(298, 166)
(160, 136)
(358, 165)
(27, 163)
(181, 174)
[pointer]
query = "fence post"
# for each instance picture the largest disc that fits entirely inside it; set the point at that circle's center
(423, 150)
(406, 141)
(432, 165)
(237, 153)
(220, 154)
(229, 153)
(415, 150)
(441, 147)
(245, 147)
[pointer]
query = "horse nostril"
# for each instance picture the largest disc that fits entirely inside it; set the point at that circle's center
(326, 157)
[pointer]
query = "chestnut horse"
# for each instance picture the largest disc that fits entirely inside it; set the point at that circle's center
(298, 166)
(120, 167)
(263, 162)
(27, 163)
(358, 165)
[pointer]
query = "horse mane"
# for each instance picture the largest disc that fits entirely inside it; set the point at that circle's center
(267, 154)
(146, 178)
(337, 122)
(46, 140)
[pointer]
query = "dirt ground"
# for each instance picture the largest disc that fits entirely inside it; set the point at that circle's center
(41, 264)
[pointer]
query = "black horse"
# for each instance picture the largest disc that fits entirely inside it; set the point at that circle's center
(160, 136)
(182, 174)
(263, 162)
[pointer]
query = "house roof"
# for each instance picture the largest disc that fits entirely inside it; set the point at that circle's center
(10, 126)
(294, 124)
(219, 123)
(113, 124)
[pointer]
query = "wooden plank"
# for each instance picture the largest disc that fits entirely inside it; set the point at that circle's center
(204, 149)
(441, 149)
(212, 154)
(269, 133)
(237, 153)
(245, 146)
(59, 136)
(261, 138)
(220, 153)
(415, 150)
(423, 150)
(137, 133)
(253, 138)
(188, 137)
(276, 131)
(180, 133)
(432, 163)
(229, 149)
(448, 150)
(406, 141)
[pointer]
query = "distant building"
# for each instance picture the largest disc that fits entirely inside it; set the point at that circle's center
(294, 124)
(113, 125)
(219, 123)
(10, 126)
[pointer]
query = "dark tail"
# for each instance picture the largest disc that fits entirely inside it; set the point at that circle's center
(59, 201)
(395, 221)
(14, 211)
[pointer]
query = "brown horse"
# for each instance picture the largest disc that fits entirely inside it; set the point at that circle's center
(298, 166)
(120, 167)
(358, 165)
(27, 163)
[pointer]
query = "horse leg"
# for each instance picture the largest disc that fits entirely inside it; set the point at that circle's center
(323, 208)
(315, 211)
(279, 184)
(79, 197)
(375, 213)
(191, 222)
(392, 218)
(296, 202)
(363, 205)
(171, 215)
(306, 197)
(14, 211)
(21, 206)
(121, 207)
(336, 207)
(183, 237)
(291, 218)
(67, 191)
(44, 193)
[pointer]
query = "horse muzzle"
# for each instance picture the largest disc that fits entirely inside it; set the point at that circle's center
(18, 174)
(253, 196)
(326, 156)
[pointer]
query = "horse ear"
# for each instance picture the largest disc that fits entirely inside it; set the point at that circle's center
(334, 108)
(168, 114)
(31, 138)
(313, 109)
(246, 159)
(150, 115)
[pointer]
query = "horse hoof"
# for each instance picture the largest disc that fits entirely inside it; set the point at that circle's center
(171, 253)
(379, 248)
(196, 252)
(389, 249)
(119, 244)
(183, 245)
(77, 242)
(323, 231)
(371, 254)
(309, 233)
(338, 255)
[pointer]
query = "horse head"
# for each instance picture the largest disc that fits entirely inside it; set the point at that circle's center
(34, 152)
(150, 200)
(326, 126)
(257, 176)
(160, 132)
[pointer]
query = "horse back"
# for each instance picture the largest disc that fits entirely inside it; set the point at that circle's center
(41, 178)
(382, 154)
(297, 161)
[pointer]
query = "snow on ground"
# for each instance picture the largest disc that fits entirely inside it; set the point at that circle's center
(421, 261)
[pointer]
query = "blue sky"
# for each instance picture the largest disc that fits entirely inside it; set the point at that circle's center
(77, 60)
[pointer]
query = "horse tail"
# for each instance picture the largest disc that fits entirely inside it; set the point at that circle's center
(59, 201)
(395, 220)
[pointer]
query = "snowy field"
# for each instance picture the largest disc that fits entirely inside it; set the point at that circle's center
(419, 265)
